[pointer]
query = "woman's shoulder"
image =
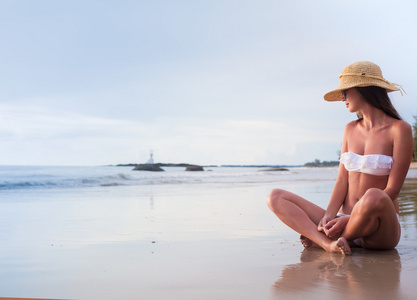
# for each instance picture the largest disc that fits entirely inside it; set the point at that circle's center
(352, 125)
(402, 138)
(401, 127)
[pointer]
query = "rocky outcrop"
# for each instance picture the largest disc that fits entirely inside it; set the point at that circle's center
(273, 169)
(194, 168)
(148, 167)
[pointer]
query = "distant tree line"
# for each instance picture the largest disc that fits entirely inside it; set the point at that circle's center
(318, 163)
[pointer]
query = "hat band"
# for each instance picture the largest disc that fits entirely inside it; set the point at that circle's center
(397, 86)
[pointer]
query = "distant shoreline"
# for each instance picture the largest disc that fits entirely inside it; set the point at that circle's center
(324, 164)
(157, 164)
(212, 166)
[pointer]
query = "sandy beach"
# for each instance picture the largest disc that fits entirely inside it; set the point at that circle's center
(214, 240)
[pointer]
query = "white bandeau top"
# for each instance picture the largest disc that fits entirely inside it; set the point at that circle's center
(375, 164)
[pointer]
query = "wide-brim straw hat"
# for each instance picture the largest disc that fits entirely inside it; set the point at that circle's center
(360, 74)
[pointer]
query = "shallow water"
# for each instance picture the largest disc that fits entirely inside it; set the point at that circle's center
(408, 209)
(408, 197)
(208, 236)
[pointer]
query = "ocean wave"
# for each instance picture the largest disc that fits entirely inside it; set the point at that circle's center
(72, 177)
(25, 184)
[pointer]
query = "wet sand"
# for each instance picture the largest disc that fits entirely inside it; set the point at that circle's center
(190, 242)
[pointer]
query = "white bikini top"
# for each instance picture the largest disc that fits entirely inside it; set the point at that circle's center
(375, 164)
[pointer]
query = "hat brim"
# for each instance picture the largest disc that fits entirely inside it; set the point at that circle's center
(336, 94)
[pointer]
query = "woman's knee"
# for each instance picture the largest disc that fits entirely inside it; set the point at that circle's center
(275, 197)
(374, 199)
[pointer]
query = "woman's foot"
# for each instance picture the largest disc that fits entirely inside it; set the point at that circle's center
(340, 246)
(307, 243)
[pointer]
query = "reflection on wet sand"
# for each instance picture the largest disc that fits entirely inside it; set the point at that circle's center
(408, 197)
(408, 208)
(363, 275)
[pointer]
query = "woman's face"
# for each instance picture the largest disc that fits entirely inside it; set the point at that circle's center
(353, 100)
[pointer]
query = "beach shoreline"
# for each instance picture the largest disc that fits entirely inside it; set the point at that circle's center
(210, 238)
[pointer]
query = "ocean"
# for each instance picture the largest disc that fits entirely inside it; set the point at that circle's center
(23, 178)
(109, 232)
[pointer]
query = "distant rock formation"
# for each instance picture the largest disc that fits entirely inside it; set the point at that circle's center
(273, 170)
(194, 168)
(157, 164)
(148, 167)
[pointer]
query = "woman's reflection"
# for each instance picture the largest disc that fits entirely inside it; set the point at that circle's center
(364, 275)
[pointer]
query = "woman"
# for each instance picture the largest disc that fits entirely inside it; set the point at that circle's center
(376, 152)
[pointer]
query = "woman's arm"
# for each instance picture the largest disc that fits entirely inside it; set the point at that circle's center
(340, 188)
(328, 223)
(402, 142)
(338, 195)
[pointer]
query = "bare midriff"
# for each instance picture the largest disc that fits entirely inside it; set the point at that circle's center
(359, 183)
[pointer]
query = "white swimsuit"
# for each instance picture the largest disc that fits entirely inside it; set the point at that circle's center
(375, 164)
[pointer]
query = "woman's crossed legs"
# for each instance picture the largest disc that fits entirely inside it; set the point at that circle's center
(373, 219)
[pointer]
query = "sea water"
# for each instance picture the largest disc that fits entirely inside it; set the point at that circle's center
(21, 178)
(48, 199)
(92, 232)
(27, 183)
(87, 205)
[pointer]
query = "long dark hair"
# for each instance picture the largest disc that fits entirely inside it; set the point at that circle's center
(378, 97)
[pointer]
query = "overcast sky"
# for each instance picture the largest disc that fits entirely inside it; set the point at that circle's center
(97, 82)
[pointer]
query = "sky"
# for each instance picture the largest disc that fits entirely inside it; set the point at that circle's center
(207, 82)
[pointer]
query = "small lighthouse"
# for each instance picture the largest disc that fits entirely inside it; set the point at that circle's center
(150, 160)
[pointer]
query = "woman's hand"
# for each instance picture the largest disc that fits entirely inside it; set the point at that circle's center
(333, 228)
(323, 223)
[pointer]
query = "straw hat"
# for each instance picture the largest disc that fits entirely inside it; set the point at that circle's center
(360, 74)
